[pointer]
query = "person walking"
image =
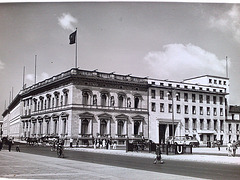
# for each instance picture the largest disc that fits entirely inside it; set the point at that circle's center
(218, 145)
(71, 142)
(1, 144)
(229, 149)
(234, 148)
(10, 144)
(158, 156)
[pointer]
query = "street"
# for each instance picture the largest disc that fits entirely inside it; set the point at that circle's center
(183, 168)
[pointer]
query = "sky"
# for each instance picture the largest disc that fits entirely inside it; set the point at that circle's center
(163, 40)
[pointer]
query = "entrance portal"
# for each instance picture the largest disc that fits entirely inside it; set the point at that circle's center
(162, 130)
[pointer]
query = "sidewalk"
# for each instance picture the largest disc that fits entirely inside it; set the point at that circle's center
(209, 155)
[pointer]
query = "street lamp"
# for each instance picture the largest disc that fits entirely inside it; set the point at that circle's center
(173, 133)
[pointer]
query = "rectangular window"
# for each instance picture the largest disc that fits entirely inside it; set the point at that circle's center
(153, 94)
(215, 125)
(237, 127)
(161, 94)
(201, 110)
(221, 100)
(186, 124)
(178, 108)
(208, 110)
(214, 99)
(201, 98)
(161, 107)
(221, 111)
(194, 124)
(186, 109)
(186, 97)
(230, 128)
(208, 99)
(201, 124)
(170, 108)
(193, 97)
(153, 107)
(169, 95)
(221, 125)
(193, 109)
(214, 111)
(208, 124)
(178, 96)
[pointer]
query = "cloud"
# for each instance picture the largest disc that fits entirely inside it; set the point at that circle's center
(178, 61)
(30, 77)
(43, 76)
(228, 21)
(1, 65)
(66, 21)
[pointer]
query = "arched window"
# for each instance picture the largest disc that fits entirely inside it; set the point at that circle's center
(120, 101)
(104, 100)
(84, 126)
(136, 127)
(120, 127)
(85, 98)
(94, 99)
(128, 102)
(112, 101)
(136, 102)
(103, 127)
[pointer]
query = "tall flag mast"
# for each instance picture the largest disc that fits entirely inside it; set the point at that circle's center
(73, 40)
(226, 66)
(23, 77)
(35, 70)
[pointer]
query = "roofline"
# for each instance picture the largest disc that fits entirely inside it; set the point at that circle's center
(207, 76)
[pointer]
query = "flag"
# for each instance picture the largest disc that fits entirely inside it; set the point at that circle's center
(72, 37)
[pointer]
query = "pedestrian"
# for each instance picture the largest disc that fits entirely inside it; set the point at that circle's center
(71, 142)
(115, 144)
(158, 156)
(218, 145)
(234, 148)
(17, 148)
(10, 144)
(229, 149)
(1, 144)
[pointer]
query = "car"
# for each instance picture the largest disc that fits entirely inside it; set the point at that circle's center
(183, 140)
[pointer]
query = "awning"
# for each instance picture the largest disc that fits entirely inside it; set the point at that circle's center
(168, 121)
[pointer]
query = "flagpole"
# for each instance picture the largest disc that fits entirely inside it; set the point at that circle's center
(23, 76)
(227, 66)
(76, 51)
(35, 70)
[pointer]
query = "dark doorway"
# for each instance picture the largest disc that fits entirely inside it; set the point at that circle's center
(170, 130)
(162, 130)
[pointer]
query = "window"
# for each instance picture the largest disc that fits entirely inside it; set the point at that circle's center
(186, 109)
(221, 111)
(208, 99)
(112, 101)
(169, 95)
(66, 99)
(161, 107)
(201, 110)
(232, 116)
(215, 125)
(85, 97)
(136, 127)
(193, 109)
(136, 102)
(120, 101)
(230, 128)
(84, 126)
(170, 110)
(103, 99)
(128, 102)
(185, 97)
(220, 82)
(178, 108)
(201, 98)
(210, 80)
(215, 81)
(208, 110)
(208, 124)
(178, 96)
(214, 111)
(186, 124)
(193, 97)
(48, 127)
(214, 99)
(201, 124)
(194, 124)
(153, 94)
(103, 127)
(221, 100)
(221, 125)
(237, 127)
(153, 107)
(224, 82)
(161, 94)
(120, 129)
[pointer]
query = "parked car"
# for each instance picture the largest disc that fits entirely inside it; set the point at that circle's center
(180, 140)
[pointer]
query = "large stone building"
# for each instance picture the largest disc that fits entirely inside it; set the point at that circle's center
(84, 105)
(81, 105)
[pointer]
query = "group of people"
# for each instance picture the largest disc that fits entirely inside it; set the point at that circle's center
(7, 141)
(104, 144)
(232, 148)
(58, 145)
